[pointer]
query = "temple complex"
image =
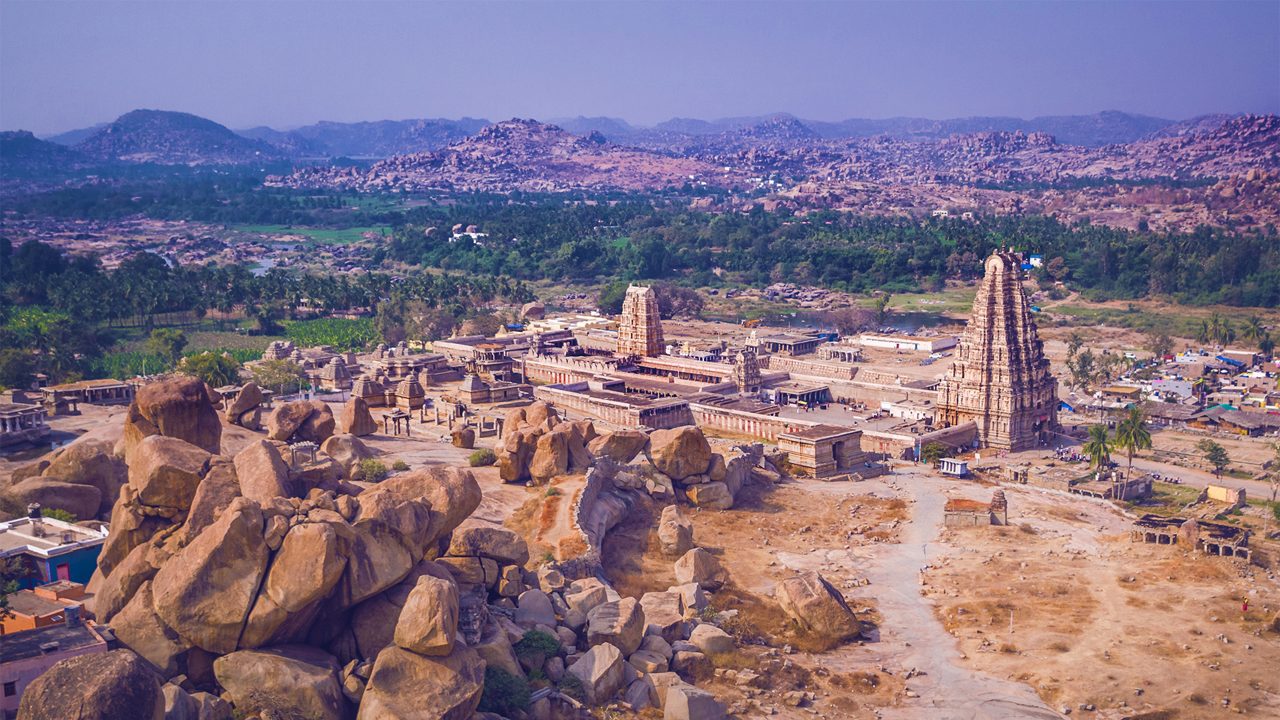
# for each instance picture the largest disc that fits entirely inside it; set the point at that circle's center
(1000, 379)
(640, 331)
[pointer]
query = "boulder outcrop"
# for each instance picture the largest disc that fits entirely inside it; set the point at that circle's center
(817, 607)
(356, 419)
(179, 407)
(99, 686)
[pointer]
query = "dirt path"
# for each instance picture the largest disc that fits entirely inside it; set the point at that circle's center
(910, 635)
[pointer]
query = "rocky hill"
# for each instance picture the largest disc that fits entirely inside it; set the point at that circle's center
(23, 154)
(173, 138)
(379, 139)
(516, 155)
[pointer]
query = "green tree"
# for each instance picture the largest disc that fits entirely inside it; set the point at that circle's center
(216, 369)
(168, 343)
(1132, 433)
(1075, 341)
(933, 452)
(1252, 329)
(881, 308)
(279, 375)
(1215, 454)
(1083, 368)
(1098, 446)
(1159, 343)
(17, 366)
(1266, 345)
(609, 301)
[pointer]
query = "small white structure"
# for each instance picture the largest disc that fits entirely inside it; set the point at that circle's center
(931, 344)
(954, 467)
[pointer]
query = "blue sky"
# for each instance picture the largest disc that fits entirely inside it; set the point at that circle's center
(284, 63)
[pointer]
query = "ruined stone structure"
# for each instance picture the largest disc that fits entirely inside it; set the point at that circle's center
(1000, 379)
(640, 331)
(746, 371)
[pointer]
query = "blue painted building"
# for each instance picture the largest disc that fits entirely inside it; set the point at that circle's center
(52, 549)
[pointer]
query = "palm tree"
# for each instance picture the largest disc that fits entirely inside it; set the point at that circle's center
(1132, 433)
(1098, 447)
(1252, 328)
(1266, 344)
(1202, 335)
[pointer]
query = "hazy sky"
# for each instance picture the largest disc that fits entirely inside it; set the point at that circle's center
(69, 64)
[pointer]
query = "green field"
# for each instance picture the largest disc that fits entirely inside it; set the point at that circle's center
(329, 236)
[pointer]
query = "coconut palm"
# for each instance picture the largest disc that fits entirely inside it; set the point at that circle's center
(1252, 329)
(1098, 447)
(1132, 433)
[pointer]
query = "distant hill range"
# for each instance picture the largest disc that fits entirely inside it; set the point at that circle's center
(173, 138)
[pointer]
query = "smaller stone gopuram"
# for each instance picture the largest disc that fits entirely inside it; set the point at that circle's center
(1000, 379)
(746, 371)
(640, 330)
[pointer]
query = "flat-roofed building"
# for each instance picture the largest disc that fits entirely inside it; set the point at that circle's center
(26, 655)
(22, 423)
(58, 550)
(929, 344)
(824, 450)
(791, 344)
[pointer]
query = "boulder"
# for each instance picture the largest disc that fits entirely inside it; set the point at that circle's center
(675, 531)
(817, 607)
(319, 425)
(641, 694)
(428, 623)
(178, 704)
(138, 628)
(685, 702)
(166, 471)
(408, 686)
(602, 672)
(112, 592)
(206, 590)
(245, 410)
(499, 544)
(308, 565)
(373, 622)
(711, 640)
(452, 492)
(214, 494)
(663, 614)
(82, 501)
(348, 451)
(692, 665)
(691, 595)
(285, 420)
(515, 453)
(647, 661)
(463, 437)
(701, 567)
(586, 597)
(212, 707)
(89, 462)
(712, 495)
(621, 446)
(538, 412)
(534, 608)
(717, 471)
(296, 680)
(679, 452)
(178, 407)
(533, 311)
(550, 457)
(495, 648)
(356, 419)
(99, 686)
(263, 474)
(620, 623)
(472, 572)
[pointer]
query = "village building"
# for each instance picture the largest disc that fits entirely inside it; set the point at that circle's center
(66, 398)
(26, 655)
(54, 549)
(929, 344)
(792, 345)
(40, 606)
(961, 512)
(1000, 379)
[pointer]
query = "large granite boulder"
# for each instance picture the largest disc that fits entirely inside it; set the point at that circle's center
(116, 685)
(516, 452)
(318, 426)
(262, 473)
(499, 544)
(428, 623)
(90, 462)
(537, 413)
(711, 495)
(702, 568)
(138, 628)
(245, 410)
(166, 471)
(620, 623)
(206, 590)
(817, 607)
(621, 446)
(463, 437)
(408, 686)
(356, 419)
(675, 531)
(288, 681)
(348, 451)
(179, 407)
(680, 452)
(602, 672)
(308, 566)
(214, 494)
(550, 457)
(83, 501)
(310, 420)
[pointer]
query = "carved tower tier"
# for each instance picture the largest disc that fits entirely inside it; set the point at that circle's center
(640, 331)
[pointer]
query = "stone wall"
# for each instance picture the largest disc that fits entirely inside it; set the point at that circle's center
(739, 422)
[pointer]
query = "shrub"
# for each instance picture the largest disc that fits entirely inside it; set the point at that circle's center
(552, 492)
(537, 642)
(58, 514)
(504, 693)
(399, 466)
(482, 457)
(570, 685)
(372, 471)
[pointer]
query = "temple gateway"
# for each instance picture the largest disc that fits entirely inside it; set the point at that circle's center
(1000, 379)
